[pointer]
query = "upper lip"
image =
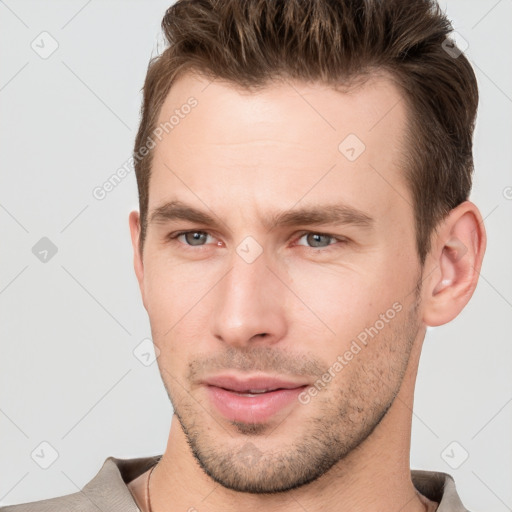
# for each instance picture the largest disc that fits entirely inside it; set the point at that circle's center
(257, 382)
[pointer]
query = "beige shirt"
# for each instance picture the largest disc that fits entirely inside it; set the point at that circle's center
(108, 491)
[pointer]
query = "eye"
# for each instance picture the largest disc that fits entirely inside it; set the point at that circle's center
(192, 238)
(320, 240)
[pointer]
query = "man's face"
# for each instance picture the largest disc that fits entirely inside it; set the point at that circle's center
(255, 293)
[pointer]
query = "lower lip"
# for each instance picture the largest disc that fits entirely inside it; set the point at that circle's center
(252, 409)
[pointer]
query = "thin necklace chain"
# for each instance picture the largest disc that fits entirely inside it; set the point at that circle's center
(148, 497)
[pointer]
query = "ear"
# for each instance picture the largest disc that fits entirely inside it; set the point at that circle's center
(134, 221)
(454, 264)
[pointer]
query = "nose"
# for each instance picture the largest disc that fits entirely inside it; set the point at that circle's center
(250, 304)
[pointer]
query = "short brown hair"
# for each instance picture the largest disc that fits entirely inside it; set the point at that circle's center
(250, 43)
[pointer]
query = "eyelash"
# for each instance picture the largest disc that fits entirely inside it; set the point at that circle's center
(343, 240)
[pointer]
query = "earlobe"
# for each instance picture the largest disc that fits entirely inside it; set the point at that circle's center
(455, 260)
(134, 222)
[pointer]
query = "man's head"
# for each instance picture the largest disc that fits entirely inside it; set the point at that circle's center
(285, 225)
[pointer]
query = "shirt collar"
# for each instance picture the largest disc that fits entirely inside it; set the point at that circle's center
(116, 473)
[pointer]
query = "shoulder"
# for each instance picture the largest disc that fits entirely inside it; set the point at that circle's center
(108, 490)
(438, 487)
(76, 502)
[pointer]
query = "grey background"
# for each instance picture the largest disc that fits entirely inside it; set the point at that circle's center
(70, 325)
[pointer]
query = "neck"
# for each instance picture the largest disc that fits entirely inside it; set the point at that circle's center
(376, 475)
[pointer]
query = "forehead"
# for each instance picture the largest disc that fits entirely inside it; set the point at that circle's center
(227, 113)
(289, 142)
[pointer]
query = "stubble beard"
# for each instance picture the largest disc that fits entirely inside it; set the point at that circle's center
(241, 456)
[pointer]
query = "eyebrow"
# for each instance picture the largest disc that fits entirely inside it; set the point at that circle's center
(307, 216)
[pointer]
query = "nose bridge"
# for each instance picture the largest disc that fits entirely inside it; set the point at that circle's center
(249, 302)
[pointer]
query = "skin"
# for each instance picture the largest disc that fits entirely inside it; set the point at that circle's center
(292, 311)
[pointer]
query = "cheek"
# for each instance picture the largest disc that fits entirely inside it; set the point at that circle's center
(171, 285)
(346, 301)
(168, 295)
(178, 301)
(160, 294)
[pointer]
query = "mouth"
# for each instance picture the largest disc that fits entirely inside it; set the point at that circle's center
(253, 400)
